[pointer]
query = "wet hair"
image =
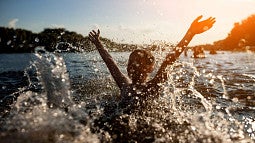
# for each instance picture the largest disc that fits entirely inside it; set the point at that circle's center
(138, 61)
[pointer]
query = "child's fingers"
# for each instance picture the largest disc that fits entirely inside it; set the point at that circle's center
(91, 34)
(91, 37)
(94, 32)
(98, 32)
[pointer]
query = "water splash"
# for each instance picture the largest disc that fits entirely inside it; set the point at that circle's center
(181, 114)
(51, 70)
(224, 95)
(47, 115)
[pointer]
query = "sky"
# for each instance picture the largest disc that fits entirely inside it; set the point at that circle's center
(127, 21)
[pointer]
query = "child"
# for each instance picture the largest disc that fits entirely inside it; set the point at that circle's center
(135, 89)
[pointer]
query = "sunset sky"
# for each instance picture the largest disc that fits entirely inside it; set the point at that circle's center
(127, 21)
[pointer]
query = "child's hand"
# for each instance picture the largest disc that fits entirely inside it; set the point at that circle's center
(94, 36)
(197, 27)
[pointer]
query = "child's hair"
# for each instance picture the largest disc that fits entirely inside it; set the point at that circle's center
(138, 61)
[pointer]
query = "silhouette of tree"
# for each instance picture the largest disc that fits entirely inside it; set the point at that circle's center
(244, 31)
(18, 40)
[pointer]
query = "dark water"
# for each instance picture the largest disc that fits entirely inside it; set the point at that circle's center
(205, 100)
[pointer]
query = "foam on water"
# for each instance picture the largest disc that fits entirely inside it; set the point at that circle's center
(180, 114)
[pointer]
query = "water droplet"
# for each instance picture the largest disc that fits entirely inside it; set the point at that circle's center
(55, 114)
(138, 92)
(23, 130)
(211, 81)
(61, 136)
(249, 130)
(235, 99)
(9, 42)
(36, 39)
(193, 128)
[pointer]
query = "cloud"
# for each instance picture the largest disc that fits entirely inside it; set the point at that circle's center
(57, 25)
(12, 23)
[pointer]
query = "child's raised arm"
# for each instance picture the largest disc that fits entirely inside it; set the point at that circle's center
(196, 27)
(118, 76)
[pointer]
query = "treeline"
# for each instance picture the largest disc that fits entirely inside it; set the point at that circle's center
(59, 39)
(16, 40)
(240, 38)
(20, 40)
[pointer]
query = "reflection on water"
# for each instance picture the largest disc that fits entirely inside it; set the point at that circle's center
(72, 98)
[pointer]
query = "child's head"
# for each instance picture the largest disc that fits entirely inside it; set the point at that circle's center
(140, 64)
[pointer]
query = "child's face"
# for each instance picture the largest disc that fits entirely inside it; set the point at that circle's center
(146, 71)
(149, 68)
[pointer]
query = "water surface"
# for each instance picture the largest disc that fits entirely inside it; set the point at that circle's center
(210, 99)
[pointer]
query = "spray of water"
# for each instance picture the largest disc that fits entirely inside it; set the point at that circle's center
(180, 114)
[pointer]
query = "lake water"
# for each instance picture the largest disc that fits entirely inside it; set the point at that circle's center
(61, 97)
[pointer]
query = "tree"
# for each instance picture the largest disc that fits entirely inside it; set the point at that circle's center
(244, 31)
